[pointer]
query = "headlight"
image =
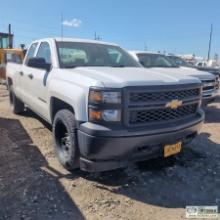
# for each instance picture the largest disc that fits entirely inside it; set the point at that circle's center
(104, 105)
(104, 97)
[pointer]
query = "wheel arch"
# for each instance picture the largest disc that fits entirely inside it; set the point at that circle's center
(56, 105)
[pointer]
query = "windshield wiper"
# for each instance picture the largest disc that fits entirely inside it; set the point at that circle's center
(162, 66)
(74, 66)
(70, 67)
(118, 66)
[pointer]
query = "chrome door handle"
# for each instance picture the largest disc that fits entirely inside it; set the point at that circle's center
(30, 76)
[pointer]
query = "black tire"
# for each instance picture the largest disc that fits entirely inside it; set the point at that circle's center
(65, 139)
(17, 106)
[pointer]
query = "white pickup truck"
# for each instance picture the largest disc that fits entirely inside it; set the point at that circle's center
(105, 109)
(163, 64)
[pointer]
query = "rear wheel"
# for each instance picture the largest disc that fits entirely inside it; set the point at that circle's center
(17, 106)
(65, 138)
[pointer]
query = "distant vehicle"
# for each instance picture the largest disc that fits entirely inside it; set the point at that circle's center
(212, 69)
(9, 55)
(203, 67)
(204, 63)
(106, 110)
(163, 64)
(180, 61)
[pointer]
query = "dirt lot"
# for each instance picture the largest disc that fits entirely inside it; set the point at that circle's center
(34, 186)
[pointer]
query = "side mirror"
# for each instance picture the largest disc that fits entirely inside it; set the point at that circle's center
(38, 62)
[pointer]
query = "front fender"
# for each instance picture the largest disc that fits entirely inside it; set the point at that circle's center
(72, 94)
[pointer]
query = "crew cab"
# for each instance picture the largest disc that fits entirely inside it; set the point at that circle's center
(164, 64)
(105, 109)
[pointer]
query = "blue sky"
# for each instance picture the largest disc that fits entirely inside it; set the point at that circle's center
(178, 26)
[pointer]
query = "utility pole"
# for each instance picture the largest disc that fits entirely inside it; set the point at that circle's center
(97, 37)
(10, 38)
(145, 48)
(210, 41)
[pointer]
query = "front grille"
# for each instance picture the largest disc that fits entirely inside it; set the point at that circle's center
(208, 81)
(136, 97)
(208, 88)
(148, 105)
(208, 85)
(161, 115)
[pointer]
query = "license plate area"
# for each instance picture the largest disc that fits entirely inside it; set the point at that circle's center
(172, 149)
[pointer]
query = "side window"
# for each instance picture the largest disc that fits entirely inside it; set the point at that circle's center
(44, 52)
(31, 52)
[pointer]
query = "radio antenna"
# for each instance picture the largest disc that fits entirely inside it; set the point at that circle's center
(61, 26)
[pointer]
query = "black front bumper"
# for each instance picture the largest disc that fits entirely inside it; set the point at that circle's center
(103, 149)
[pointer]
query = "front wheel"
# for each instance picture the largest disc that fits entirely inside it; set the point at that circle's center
(65, 138)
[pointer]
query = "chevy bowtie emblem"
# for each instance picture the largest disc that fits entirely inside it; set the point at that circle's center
(174, 104)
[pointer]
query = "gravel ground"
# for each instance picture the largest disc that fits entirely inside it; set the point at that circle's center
(34, 186)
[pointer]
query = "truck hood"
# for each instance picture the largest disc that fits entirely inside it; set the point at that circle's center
(187, 71)
(132, 76)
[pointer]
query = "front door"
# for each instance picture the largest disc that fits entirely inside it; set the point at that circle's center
(24, 77)
(38, 82)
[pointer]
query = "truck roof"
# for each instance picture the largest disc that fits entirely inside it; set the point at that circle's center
(76, 40)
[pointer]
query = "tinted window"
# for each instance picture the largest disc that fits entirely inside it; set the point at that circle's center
(44, 52)
(155, 60)
(4, 42)
(14, 58)
(73, 54)
(31, 52)
(179, 61)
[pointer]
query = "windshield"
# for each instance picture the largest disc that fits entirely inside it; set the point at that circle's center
(155, 60)
(179, 61)
(75, 54)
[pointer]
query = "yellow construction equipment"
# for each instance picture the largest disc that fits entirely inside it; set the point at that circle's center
(8, 53)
